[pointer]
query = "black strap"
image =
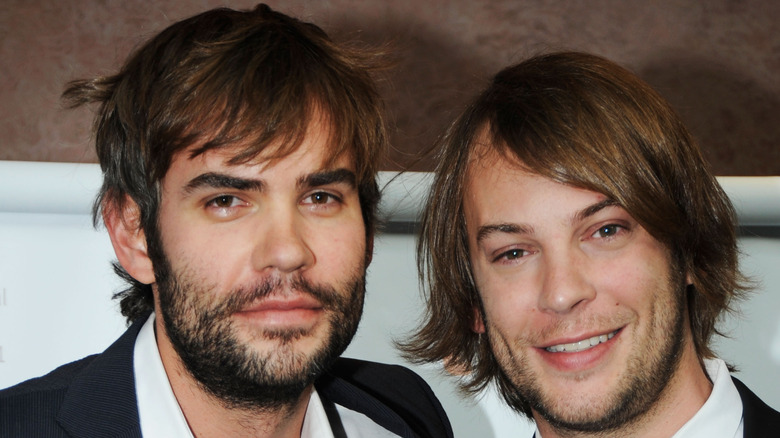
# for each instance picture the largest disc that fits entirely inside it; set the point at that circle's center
(333, 418)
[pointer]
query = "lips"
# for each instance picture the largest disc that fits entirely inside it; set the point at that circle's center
(585, 344)
(275, 304)
(284, 303)
(298, 312)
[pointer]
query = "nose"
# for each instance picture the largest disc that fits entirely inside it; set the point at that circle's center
(565, 283)
(282, 243)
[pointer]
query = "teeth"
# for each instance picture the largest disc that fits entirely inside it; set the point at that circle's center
(581, 345)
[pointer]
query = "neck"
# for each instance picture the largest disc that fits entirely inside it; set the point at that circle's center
(687, 391)
(208, 416)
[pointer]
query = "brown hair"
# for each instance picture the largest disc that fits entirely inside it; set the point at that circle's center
(226, 78)
(583, 121)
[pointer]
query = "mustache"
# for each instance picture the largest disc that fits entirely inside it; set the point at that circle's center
(242, 297)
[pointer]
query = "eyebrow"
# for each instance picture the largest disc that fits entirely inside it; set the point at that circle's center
(222, 181)
(318, 179)
(593, 209)
(216, 180)
(487, 230)
(509, 228)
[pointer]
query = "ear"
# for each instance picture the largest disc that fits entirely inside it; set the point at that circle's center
(123, 223)
(478, 325)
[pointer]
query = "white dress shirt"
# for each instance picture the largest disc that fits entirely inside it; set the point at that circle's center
(161, 416)
(721, 415)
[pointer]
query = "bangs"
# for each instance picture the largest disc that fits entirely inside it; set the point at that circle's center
(590, 136)
(259, 87)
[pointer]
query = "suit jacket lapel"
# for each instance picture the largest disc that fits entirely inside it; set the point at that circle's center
(391, 396)
(102, 396)
(336, 390)
(758, 418)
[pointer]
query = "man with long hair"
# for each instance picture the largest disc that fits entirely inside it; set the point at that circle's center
(239, 151)
(577, 253)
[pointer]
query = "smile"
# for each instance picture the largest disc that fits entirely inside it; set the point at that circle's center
(585, 344)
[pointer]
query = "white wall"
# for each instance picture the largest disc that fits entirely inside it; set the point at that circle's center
(56, 286)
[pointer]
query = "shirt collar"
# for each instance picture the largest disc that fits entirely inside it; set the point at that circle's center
(158, 410)
(315, 423)
(721, 414)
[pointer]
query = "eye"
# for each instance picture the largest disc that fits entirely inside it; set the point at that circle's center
(607, 231)
(512, 254)
(321, 198)
(225, 207)
(224, 201)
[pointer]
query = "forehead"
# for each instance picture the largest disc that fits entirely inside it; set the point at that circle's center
(491, 161)
(316, 147)
(501, 189)
(314, 153)
(488, 164)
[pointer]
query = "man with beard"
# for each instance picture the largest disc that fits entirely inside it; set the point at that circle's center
(577, 253)
(239, 152)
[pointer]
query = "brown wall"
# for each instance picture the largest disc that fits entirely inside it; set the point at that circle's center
(717, 61)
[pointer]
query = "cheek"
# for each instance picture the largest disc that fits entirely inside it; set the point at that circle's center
(215, 257)
(339, 246)
(622, 283)
(508, 304)
(634, 281)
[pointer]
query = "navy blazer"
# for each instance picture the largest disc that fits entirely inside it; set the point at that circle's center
(95, 397)
(760, 420)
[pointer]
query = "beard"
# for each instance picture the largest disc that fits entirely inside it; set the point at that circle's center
(199, 325)
(648, 372)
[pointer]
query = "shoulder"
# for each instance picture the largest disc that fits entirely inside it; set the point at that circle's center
(389, 382)
(120, 352)
(55, 381)
(75, 394)
(32, 406)
(377, 374)
(374, 387)
(760, 419)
